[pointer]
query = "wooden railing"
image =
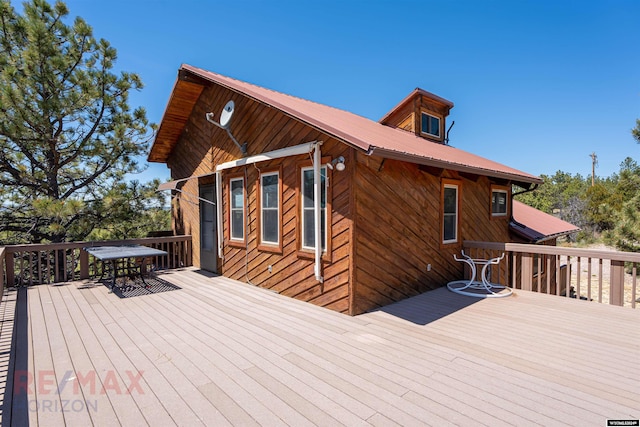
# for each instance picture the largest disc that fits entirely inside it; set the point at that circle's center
(22, 265)
(2, 251)
(586, 274)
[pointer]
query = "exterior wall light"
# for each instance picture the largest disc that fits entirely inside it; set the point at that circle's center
(338, 163)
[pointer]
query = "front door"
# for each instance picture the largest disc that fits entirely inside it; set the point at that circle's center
(208, 235)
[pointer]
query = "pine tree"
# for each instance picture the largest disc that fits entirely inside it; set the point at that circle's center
(626, 234)
(636, 131)
(67, 133)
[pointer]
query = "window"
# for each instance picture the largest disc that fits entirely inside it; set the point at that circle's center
(308, 219)
(498, 202)
(450, 213)
(430, 125)
(236, 210)
(270, 208)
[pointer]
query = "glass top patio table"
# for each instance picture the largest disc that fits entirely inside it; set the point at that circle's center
(109, 253)
(479, 288)
(119, 258)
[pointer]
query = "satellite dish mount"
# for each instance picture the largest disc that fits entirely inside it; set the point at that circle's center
(225, 121)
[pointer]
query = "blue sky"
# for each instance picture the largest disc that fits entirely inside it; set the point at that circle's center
(537, 85)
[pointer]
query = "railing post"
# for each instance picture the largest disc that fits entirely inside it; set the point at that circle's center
(527, 272)
(84, 264)
(2, 252)
(616, 292)
(11, 273)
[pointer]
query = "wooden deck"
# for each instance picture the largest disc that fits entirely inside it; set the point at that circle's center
(219, 352)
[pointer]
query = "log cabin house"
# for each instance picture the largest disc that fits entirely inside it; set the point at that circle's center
(260, 180)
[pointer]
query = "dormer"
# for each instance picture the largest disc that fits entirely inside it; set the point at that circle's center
(422, 113)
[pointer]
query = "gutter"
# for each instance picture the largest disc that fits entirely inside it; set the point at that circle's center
(427, 161)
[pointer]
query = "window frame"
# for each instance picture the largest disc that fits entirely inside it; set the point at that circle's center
(234, 241)
(499, 189)
(305, 251)
(450, 183)
(430, 114)
(265, 245)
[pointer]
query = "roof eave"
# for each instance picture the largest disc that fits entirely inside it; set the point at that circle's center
(516, 227)
(396, 155)
(193, 80)
(411, 96)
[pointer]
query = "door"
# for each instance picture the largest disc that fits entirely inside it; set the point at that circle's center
(208, 232)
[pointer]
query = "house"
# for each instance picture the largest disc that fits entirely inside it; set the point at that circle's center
(259, 177)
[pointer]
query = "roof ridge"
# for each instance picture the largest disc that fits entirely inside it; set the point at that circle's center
(278, 92)
(362, 132)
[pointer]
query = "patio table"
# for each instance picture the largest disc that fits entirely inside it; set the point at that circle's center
(123, 259)
(479, 288)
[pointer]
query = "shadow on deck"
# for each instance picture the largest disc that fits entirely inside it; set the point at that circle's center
(428, 307)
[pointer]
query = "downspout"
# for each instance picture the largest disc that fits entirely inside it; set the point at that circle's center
(528, 190)
(219, 214)
(317, 159)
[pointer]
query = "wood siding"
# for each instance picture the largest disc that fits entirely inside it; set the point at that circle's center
(403, 118)
(398, 229)
(203, 145)
(385, 214)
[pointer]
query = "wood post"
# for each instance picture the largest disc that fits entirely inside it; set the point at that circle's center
(2, 252)
(616, 292)
(527, 272)
(84, 264)
(8, 262)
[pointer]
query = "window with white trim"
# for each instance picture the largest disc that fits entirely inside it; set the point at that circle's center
(450, 213)
(308, 218)
(430, 125)
(236, 211)
(270, 208)
(498, 202)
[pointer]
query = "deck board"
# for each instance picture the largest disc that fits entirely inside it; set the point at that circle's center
(220, 352)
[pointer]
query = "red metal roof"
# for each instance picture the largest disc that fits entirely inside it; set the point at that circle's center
(536, 225)
(368, 135)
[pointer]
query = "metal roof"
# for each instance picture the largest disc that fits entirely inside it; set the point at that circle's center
(537, 226)
(362, 133)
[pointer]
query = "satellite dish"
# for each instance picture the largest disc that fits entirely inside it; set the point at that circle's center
(227, 113)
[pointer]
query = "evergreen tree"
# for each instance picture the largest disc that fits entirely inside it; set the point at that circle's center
(67, 133)
(134, 209)
(636, 131)
(602, 203)
(626, 234)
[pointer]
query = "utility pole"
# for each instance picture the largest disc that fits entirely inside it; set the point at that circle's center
(594, 163)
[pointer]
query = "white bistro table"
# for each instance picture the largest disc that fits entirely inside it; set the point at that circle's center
(479, 288)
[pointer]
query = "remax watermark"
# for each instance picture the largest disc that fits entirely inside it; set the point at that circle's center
(43, 383)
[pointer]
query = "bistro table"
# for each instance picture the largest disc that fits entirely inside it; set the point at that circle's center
(123, 260)
(479, 288)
